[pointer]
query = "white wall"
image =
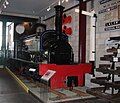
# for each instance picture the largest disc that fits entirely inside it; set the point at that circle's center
(110, 15)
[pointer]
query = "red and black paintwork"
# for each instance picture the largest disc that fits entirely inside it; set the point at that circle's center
(63, 71)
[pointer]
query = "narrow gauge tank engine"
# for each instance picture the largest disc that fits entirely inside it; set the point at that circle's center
(56, 50)
(59, 53)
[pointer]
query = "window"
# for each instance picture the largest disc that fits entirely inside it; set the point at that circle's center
(9, 39)
(9, 35)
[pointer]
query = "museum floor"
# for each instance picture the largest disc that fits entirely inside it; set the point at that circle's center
(12, 92)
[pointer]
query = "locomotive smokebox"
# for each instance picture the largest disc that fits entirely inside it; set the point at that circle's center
(58, 20)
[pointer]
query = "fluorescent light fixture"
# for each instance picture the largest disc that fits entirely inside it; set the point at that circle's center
(77, 10)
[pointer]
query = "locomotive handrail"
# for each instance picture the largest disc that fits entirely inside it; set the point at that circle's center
(25, 61)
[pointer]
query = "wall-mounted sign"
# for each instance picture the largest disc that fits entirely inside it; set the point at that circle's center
(109, 15)
(112, 28)
(104, 1)
(108, 9)
(112, 25)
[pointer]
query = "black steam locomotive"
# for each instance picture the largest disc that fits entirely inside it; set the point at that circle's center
(54, 48)
(55, 44)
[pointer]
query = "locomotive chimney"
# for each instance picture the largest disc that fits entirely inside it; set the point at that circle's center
(58, 20)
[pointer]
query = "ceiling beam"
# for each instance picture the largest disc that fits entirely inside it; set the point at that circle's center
(10, 18)
(19, 15)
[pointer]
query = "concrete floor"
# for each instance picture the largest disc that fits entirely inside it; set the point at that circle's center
(11, 91)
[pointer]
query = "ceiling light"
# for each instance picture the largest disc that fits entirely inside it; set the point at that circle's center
(66, 0)
(77, 10)
(48, 9)
(59, 2)
(4, 6)
(6, 2)
(63, 1)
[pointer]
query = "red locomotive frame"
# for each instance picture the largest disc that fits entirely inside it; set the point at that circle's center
(63, 71)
